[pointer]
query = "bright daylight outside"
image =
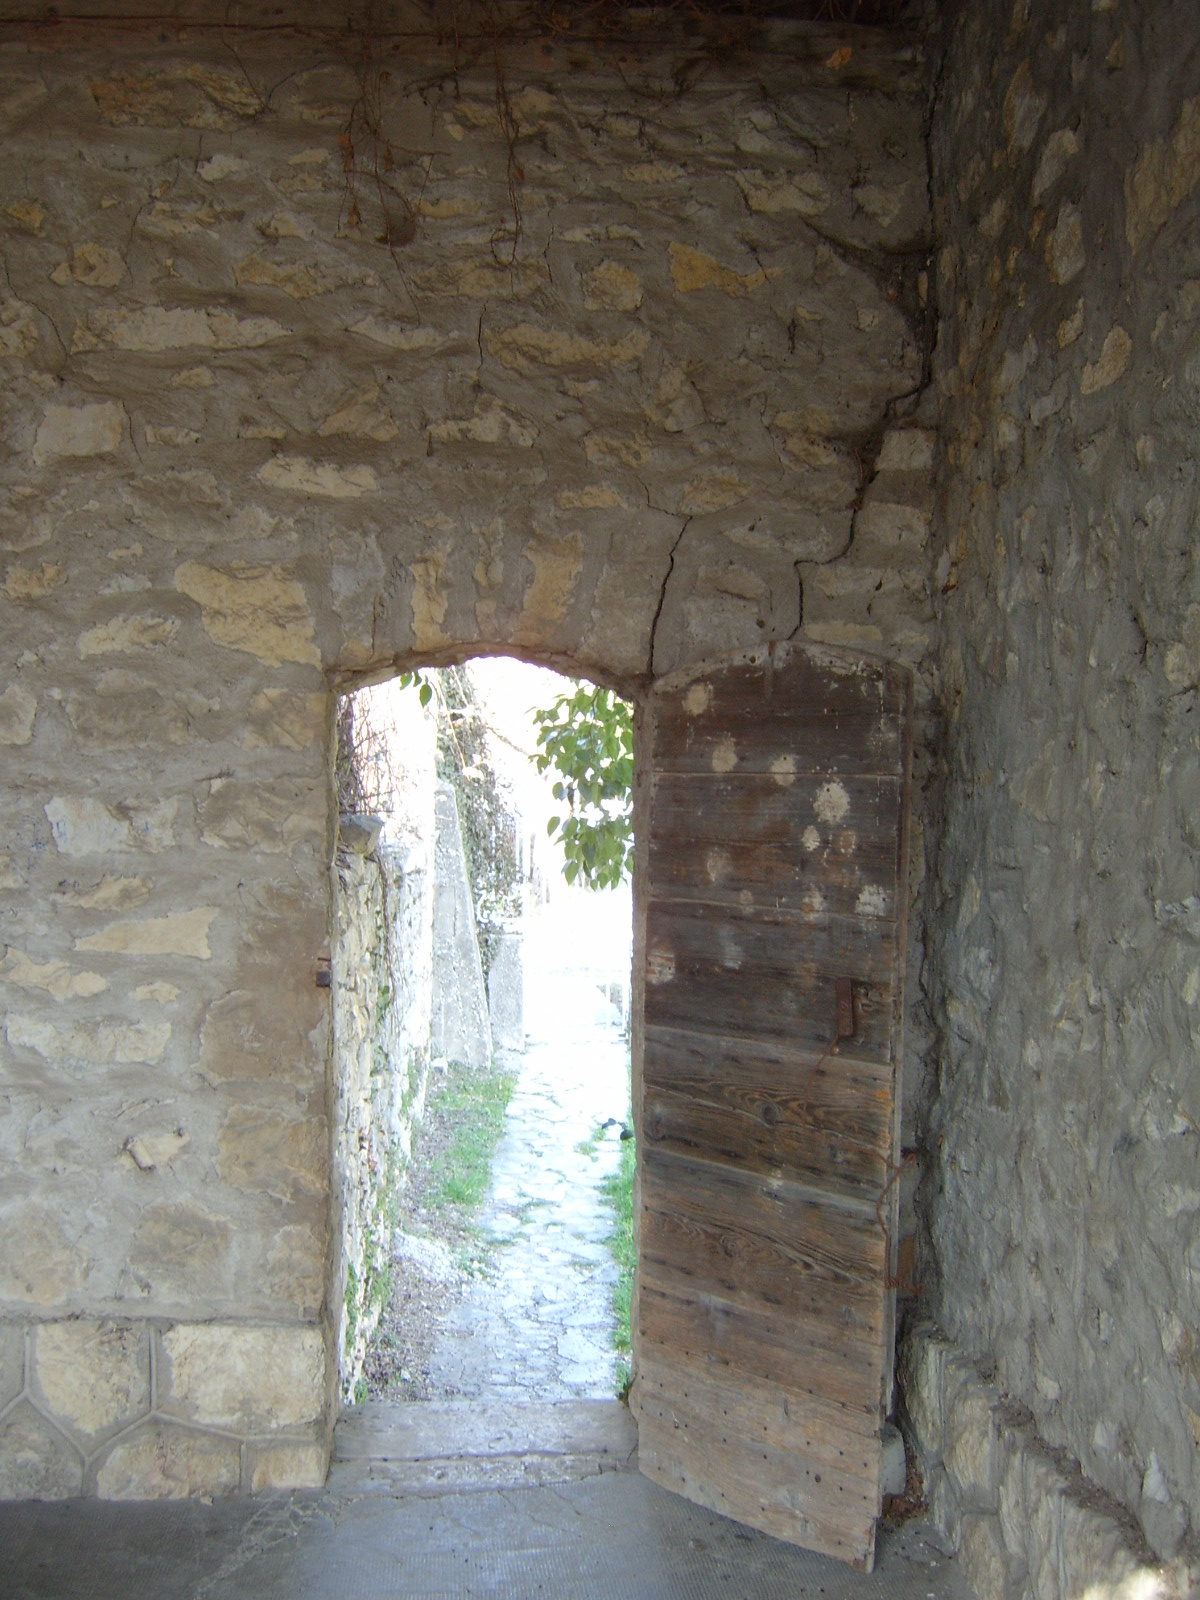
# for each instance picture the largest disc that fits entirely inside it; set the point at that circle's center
(481, 976)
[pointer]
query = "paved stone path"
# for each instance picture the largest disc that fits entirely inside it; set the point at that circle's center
(539, 1325)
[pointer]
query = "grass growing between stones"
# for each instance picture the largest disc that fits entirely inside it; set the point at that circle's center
(617, 1189)
(473, 1101)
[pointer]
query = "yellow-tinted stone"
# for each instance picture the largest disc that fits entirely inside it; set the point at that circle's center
(692, 270)
(180, 933)
(93, 1377)
(259, 610)
(1163, 176)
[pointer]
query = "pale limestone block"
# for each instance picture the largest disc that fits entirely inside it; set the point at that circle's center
(299, 279)
(180, 933)
(92, 264)
(944, 1510)
(401, 335)
(1096, 1553)
(773, 194)
(1058, 152)
(1065, 253)
(36, 1461)
(282, 719)
(260, 816)
(1163, 176)
(362, 417)
(83, 827)
(295, 1270)
(972, 1447)
(89, 430)
(49, 1269)
(12, 1362)
(890, 533)
(982, 1556)
(483, 279)
(922, 1377)
(1042, 1505)
(111, 893)
(259, 610)
(221, 166)
(430, 599)
(526, 347)
(322, 478)
(17, 710)
(87, 827)
(93, 1377)
(263, 1152)
(713, 491)
(166, 97)
(120, 635)
(1071, 327)
(1023, 110)
(653, 172)
(181, 1251)
(906, 450)
(22, 584)
(54, 978)
(255, 1035)
(152, 329)
(882, 203)
(18, 329)
(248, 1380)
(595, 497)
(150, 1151)
(287, 1464)
(556, 564)
(490, 423)
(611, 286)
(692, 271)
(1111, 364)
(102, 1042)
(166, 1461)
(9, 877)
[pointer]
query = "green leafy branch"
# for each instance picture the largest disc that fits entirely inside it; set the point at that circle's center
(587, 737)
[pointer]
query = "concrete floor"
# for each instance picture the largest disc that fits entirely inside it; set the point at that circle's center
(448, 1504)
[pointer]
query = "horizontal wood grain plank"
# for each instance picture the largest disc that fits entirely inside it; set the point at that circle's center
(812, 1354)
(786, 1114)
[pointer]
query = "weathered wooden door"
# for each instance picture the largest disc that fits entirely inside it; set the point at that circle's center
(772, 805)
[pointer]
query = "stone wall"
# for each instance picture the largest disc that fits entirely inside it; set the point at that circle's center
(462, 1029)
(251, 454)
(383, 979)
(1062, 1197)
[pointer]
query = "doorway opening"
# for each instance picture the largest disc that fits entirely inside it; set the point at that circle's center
(482, 976)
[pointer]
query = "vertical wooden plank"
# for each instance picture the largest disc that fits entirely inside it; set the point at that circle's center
(771, 814)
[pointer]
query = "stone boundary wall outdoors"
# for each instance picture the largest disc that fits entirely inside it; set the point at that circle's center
(382, 959)
(381, 1067)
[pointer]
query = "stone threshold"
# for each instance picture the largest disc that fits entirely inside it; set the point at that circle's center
(438, 1446)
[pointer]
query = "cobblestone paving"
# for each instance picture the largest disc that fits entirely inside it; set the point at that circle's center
(539, 1324)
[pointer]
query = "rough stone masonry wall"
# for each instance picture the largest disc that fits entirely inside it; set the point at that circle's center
(382, 952)
(382, 959)
(1064, 1202)
(248, 454)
